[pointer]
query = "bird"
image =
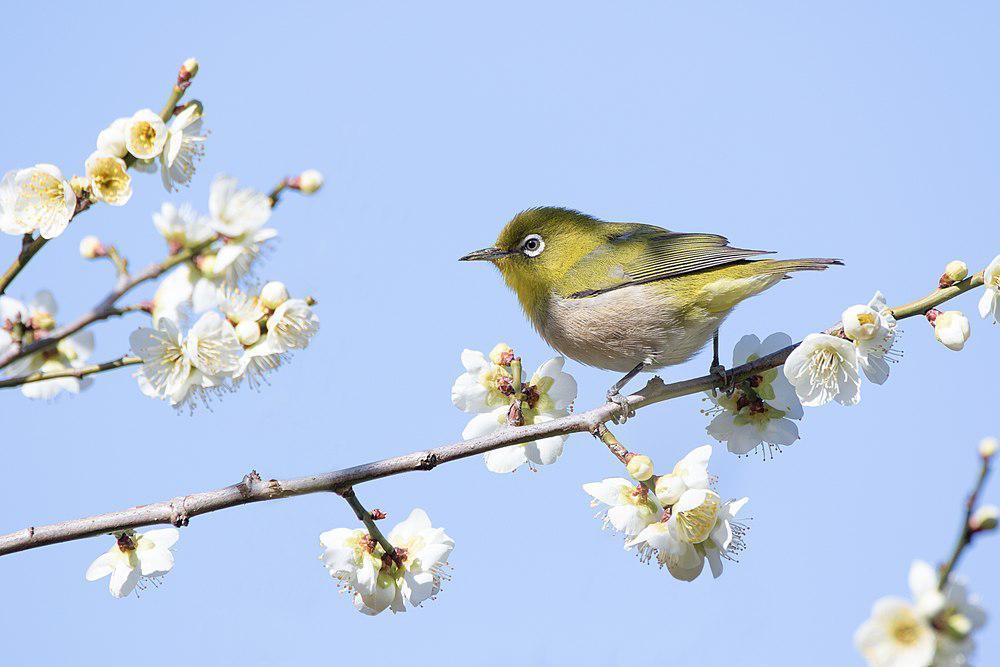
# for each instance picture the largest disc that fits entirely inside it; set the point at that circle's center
(626, 296)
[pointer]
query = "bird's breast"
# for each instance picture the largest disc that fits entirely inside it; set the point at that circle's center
(618, 329)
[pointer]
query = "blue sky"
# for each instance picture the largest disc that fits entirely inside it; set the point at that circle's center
(856, 130)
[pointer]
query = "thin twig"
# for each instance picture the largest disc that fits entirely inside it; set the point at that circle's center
(252, 489)
(967, 531)
(106, 308)
(365, 517)
(70, 372)
(28, 250)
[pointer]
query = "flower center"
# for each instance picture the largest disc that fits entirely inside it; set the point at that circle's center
(696, 524)
(109, 179)
(905, 630)
(44, 195)
(143, 136)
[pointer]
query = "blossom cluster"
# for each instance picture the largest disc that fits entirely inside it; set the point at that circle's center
(22, 324)
(487, 388)
(251, 339)
(675, 518)
(411, 574)
(936, 628)
(39, 199)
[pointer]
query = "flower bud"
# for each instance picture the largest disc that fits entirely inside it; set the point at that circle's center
(273, 294)
(956, 270)
(189, 68)
(91, 247)
(80, 185)
(958, 626)
(668, 489)
(308, 182)
(951, 328)
(248, 332)
(640, 467)
(988, 447)
(860, 322)
(985, 518)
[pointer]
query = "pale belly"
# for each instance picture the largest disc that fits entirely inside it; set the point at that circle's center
(619, 329)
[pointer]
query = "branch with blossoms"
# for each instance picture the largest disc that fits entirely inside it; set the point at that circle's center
(938, 627)
(242, 332)
(677, 518)
(213, 328)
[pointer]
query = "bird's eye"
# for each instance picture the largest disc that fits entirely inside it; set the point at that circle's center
(532, 245)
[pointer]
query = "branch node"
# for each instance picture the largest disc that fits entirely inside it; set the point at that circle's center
(178, 515)
(274, 489)
(428, 461)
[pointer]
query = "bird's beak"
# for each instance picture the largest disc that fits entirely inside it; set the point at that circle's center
(485, 255)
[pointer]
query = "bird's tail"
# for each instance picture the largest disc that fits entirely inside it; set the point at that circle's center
(786, 266)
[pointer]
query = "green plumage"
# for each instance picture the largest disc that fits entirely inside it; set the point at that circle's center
(617, 294)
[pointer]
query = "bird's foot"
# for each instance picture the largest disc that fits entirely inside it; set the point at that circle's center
(725, 380)
(625, 409)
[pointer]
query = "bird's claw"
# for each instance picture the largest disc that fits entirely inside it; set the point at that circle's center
(625, 409)
(725, 380)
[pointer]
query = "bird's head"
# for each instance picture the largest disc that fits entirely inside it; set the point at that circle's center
(537, 247)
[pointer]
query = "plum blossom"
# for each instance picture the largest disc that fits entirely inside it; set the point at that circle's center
(935, 629)
(183, 148)
(824, 368)
(36, 199)
(23, 324)
(630, 509)
(872, 328)
(487, 388)
(760, 409)
(378, 581)
(133, 557)
(176, 367)
(109, 178)
(145, 134)
(989, 303)
(951, 328)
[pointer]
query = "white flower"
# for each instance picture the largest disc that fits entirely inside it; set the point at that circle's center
(177, 368)
(236, 212)
(134, 556)
(896, 635)
(423, 554)
(935, 630)
(824, 368)
(182, 227)
(873, 330)
(183, 148)
(291, 325)
(951, 329)
(350, 557)
(145, 134)
(37, 319)
(760, 408)
(700, 525)
(37, 198)
(630, 509)
(109, 178)
(989, 303)
(547, 396)
(691, 472)
(111, 139)
(380, 582)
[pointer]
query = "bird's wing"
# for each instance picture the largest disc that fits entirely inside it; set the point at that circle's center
(634, 254)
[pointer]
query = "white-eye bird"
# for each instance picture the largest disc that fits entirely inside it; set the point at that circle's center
(626, 296)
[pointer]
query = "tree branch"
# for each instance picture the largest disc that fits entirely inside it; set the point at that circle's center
(253, 489)
(78, 373)
(29, 249)
(967, 532)
(106, 308)
(366, 517)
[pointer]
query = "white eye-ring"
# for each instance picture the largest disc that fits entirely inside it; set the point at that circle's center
(532, 245)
